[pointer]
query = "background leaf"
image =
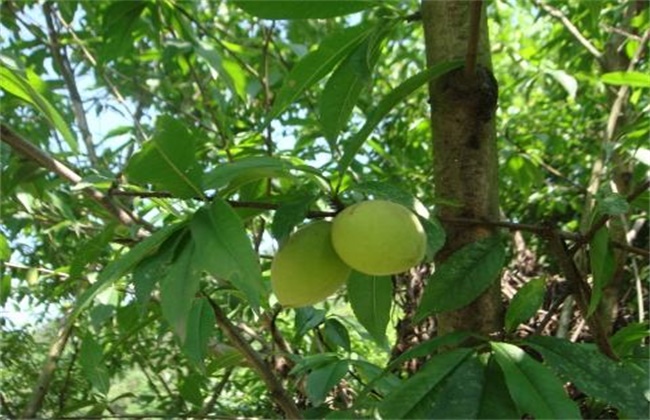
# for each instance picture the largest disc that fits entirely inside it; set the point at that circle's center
(200, 328)
(525, 303)
(603, 266)
(93, 366)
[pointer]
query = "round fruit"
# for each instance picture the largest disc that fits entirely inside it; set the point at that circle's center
(306, 269)
(378, 237)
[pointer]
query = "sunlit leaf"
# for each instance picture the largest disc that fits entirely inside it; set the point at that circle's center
(306, 9)
(353, 144)
(315, 65)
(629, 78)
(168, 160)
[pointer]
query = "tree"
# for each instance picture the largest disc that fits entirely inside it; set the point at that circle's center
(155, 155)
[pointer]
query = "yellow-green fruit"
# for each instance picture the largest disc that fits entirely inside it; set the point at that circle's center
(379, 237)
(306, 269)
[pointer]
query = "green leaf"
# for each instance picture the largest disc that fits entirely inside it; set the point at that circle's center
(335, 334)
(321, 381)
(611, 204)
(200, 328)
(534, 388)
(289, 215)
(5, 250)
(525, 303)
(306, 319)
(23, 87)
(603, 266)
(91, 360)
(415, 395)
(178, 290)
(596, 375)
(628, 337)
(230, 72)
(407, 87)
(371, 298)
(436, 235)
(496, 402)
(461, 278)
(190, 389)
(224, 250)
(629, 78)
(344, 86)
(168, 160)
(119, 19)
(90, 250)
(315, 65)
(243, 171)
(429, 347)
(5, 288)
(306, 9)
(124, 264)
(458, 396)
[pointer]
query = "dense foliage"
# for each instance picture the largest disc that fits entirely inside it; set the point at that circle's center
(155, 154)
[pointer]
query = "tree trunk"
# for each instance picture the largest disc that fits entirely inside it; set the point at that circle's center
(464, 148)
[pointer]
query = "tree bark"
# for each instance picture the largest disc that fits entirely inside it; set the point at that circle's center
(464, 147)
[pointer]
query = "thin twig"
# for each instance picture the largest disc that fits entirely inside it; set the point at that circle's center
(573, 30)
(33, 153)
(277, 391)
(61, 59)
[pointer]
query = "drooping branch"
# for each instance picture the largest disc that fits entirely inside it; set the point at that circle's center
(33, 153)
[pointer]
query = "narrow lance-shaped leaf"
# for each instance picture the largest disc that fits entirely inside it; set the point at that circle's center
(629, 78)
(344, 86)
(200, 327)
(93, 366)
(321, 381)
(463, 276)
(407, 87)
(534, 388)
(371, 298)
(15, 84)
(305, 9)
(178, 290)
(603, 266)
(315, 65)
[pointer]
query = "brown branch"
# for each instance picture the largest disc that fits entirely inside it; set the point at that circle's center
(474, 35)
(278, 393)
(31, 152)
(581, 290)
(573, 30)
(62, 62)
(47, 372)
